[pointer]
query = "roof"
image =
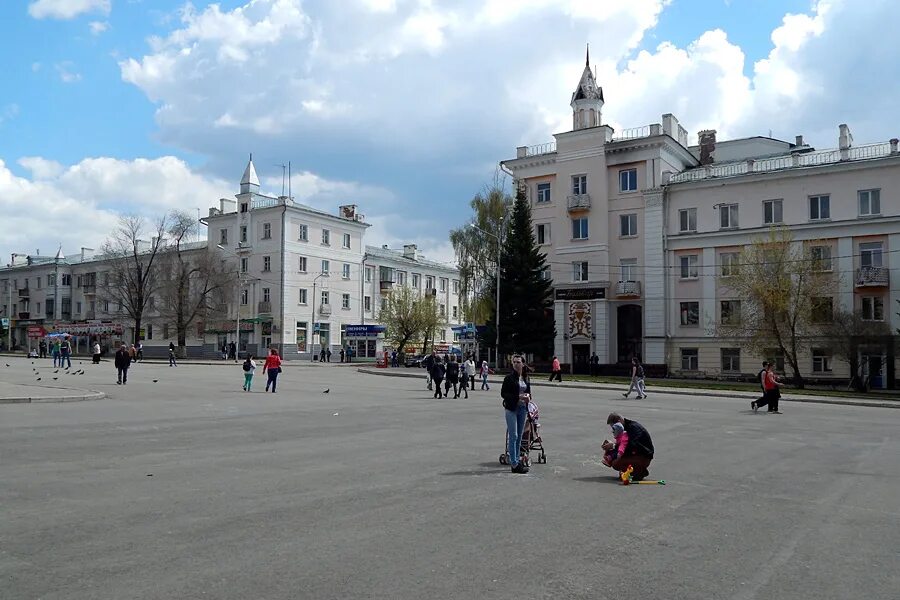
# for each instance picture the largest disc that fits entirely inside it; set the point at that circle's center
(587, 86)
(76, 259)
(250, 174)
(397, 255)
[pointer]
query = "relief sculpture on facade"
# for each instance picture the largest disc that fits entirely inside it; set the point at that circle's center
(580, 319)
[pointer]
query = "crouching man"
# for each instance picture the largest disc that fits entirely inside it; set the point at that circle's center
(639, 450)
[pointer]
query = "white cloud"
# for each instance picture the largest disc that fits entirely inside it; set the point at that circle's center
(8, 112)
(66, 9)
(98, 27)
(67, 73)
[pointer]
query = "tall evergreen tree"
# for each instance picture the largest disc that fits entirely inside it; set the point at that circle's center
(526, 302)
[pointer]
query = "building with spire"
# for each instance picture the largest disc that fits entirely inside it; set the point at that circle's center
(639, 227)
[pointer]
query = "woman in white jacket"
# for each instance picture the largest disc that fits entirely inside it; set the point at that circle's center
(249, 368)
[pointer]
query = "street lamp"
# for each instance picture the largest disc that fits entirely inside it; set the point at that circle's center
(237, 303)
(496, 236)
(313, 320)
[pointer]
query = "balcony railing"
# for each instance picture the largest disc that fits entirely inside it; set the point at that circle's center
(386, 286)
(324, 309)
(872, 277)
(89, 289)
(578, 202)
(24, 292)
(628, 288)
(264, 307)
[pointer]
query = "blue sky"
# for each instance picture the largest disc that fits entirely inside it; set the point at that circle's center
(401, 106)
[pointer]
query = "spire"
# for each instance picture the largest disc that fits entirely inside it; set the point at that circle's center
(587, 56)
(250, 178)
(59, 254)
(587, 100)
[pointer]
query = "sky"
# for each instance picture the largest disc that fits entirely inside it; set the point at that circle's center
(402, 107)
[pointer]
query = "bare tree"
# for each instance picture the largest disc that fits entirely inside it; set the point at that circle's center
(407, 314)
(847, 335)
(191, 280)
(132, 275)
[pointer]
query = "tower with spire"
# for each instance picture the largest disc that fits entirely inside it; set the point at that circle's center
(250, 181)
(587, 100)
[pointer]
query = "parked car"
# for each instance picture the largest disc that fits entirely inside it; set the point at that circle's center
(413, 360)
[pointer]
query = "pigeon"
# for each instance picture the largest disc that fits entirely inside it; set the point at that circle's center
(326, 391)
(38, 379)
(7, 364)
(55, 378)
(56, 371)
(155, 380)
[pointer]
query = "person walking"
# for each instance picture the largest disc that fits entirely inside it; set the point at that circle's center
(349, 354)
(761, 380)
(639, 451)
(122, 362)
(54, 352)
(463, 378)
(273, 367)
(172, 362)
(452, 378)
(428, 363)
(516, 392)
(140, 350)
(470, 374)
(232, 349)
(42, 348)
(322, 355)
(342, 354)
(556, 370)
(772, 392)
(437, 376)
(224, 351)
(65, 353)
(637, 379)
(249, 369)
(328, 355)
(96, 359)
(485, 370)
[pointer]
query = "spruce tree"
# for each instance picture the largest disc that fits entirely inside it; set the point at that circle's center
(526, 302)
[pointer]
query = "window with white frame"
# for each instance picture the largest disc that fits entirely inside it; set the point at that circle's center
(223, 237)
(301, 264)
(267, 264)
(443, 335)
(401, 277)
(819, 208)
(545, 273)
(456, 286)
(416, 280)
(302, 233)
(367, 303)
(628, 269)
(443, 285)
(442, 310)
(245, 264)
(455, 312)
(326, 237)
(66, 279)
(873, 308)
(345, 271)
(822, 309)
(871, 254)
(78, 308)
(267, 231)
(690, 314)
(301, 336)
(429, 282)
(628, 180)
(243, 234)
(580, 229)
(267, 294)
(345, 301)
(776, 356)
(368, 274)
(869, 202)
(821, 257)
(728, 216)
(731, 359)
(580, 271)
(302, 296)
(628, 225)
(690, 359)
(687, 220)
(579, 185)
(542, 231)
(245, 297)
(325, 297)
(543, 192)
(729, 312)
(688, 266)
(821, 360)
(346, 241)
(772, 212)
(729, 262)
(326, 267)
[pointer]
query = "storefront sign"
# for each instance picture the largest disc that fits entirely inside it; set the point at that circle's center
(89, 328)
(587, 293)
(36, 331)
(358, 331)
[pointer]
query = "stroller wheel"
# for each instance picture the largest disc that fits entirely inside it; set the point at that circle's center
(543, 459)
(525, 460)
(503, 460)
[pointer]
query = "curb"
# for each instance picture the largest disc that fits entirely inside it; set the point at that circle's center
(673, 391)
(56, 399)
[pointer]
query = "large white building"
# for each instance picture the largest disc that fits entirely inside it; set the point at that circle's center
(639, 228)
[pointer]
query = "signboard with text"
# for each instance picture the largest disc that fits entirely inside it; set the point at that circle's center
(585, 293)
(357, 331)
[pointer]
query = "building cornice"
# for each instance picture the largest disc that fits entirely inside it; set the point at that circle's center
(829, 229)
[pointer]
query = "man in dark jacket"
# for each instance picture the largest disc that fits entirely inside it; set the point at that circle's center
(428, 363)
(123, 361)
(452, 377)
(437, 376)
(639, 452)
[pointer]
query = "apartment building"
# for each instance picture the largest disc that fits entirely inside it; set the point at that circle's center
(638, 226)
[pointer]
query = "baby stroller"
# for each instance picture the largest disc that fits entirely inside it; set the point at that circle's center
(531, 438)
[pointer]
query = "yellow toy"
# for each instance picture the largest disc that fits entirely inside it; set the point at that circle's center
(625, 476)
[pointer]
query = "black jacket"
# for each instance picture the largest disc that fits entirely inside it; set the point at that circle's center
(437, 371)
(428, 362)
(639, 441)
(510, 390)
(123, 359)
(453, 372)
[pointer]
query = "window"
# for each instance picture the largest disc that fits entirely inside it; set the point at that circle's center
(731, 359)
(729, 261)
(324, 297)
(401, 277)
(267, 231)
(579, 184)
(165, 331)
(302, 233)
(223, 237)
(106, 306)
(870, 254)
(730, 312)
(368, 274)
(325, 266)
(245, 297)
(51, 279)
(443, 285)
(690, 314)
(580, 229)
(383, 303)
(687, 220)
(628, 180)
(346, 242)
(37, 279)
(873, 308)
(267, 295)
(301, 336)
(819, 208)
(443, 310)
(267, 264)
(543, 233)
(345, 271)
(821, 361)
(301, 264)
(455, 312)
(456, 286)
(869, 202)
(728, 216)
(429, 282)
(245, 263)
(581, 271)
(628, 267)
(326, 237)
(776, 356)
(772, 212)
(822, 309)
(443, 335)
(627, 225)
(690, 359)
(78, 307)
(244, 207)
(545, 274)
(415, 280)
(49, 308)
(301, 296)
(367, 303)
(689, 266)
(345, 301)
(821, 256)
(149, 331)
(243, 234)
(543, 192)
(66, 279)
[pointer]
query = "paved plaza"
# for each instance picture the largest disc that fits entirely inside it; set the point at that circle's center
(191, 488)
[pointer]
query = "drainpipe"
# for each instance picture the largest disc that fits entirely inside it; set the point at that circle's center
(362, 289)
(282, 291)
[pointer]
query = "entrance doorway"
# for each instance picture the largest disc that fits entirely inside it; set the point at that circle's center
(581, 355)
(873, 370)
(630, 328)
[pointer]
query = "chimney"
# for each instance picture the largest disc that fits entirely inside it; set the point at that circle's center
(707, 139)
(845, 138)
(894, 142)
(410, 251)
(670, 125)
(798, 140)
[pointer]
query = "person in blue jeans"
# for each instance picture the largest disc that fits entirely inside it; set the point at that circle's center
(65, 354)
(516, 392)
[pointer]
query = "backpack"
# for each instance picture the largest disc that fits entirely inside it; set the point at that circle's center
(247, 366)
(640, 371)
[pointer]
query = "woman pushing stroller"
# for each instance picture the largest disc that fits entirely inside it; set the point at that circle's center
(516, 392)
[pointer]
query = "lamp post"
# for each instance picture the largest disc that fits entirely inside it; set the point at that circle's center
(237, 303)
(496, 236)
(312, 338)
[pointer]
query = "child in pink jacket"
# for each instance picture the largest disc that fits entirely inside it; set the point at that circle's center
(613, 450)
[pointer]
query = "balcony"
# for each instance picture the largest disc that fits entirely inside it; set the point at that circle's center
(872, 277)
(430, 291)
(324, 309)
(578, 202)
(24, 315)
(24, 292)
(386, 286)
(89, 289)
(628, 289)
(90, 315)
(264, 307)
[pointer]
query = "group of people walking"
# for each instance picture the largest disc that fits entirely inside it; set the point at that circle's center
(453, 372)
(770, 389)
(271, 368)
